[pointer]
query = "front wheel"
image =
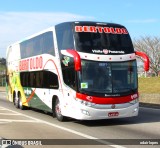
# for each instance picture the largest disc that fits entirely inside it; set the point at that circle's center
(58, 114)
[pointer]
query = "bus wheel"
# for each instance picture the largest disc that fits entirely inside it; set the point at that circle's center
(20, 103)
(16, 102)
(58, 114)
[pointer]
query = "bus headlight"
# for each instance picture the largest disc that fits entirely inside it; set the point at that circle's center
(85, 112)
(133, 101)
(86, 103)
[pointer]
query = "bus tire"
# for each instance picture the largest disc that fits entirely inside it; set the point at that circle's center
(21, 106)
(57, 109)
(14, 97)
(53, 106)
(16, 101)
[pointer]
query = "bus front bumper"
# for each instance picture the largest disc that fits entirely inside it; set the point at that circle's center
(82, 112)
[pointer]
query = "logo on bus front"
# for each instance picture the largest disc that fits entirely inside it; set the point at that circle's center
(105, 51)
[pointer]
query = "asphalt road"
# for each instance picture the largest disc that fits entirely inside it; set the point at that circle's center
(31, 126)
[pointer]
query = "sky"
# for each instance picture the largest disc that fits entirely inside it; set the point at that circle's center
(22, 18)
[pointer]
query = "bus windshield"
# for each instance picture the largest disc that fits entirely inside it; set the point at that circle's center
(108, 77)
(103, 40)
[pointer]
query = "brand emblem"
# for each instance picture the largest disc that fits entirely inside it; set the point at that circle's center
(105, 51)
(113, 106)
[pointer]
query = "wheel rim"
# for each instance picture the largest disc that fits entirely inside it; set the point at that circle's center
(20, 103)
(58, 109)
(16, 102)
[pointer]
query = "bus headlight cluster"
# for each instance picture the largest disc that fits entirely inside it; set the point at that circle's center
(85, 112)
(86, 103)
(133, 101)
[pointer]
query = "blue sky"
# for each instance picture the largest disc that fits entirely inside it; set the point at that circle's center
(21, 18)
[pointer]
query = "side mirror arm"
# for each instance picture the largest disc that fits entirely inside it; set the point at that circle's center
(145, 59)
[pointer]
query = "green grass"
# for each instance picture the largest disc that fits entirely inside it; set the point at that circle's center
(2, 67)
(149, 85)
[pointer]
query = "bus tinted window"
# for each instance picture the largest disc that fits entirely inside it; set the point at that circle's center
(50, 80)
(25, 79)
(64, 36)
(42, 44)
(39, 79)
(68, 72)
(103, 39)
(48, 43)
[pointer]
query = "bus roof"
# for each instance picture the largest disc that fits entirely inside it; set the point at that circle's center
(90, 23)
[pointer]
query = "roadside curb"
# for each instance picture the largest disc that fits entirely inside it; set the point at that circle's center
(149, 105)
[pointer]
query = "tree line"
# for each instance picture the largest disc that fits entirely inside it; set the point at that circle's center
(151, 46)
(2, 61)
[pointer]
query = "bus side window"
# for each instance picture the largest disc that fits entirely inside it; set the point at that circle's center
(24, 77)
(48, 45)
(39, 79)
(50, 80)
(64, 36)
(32, 79)
(69, 73)
(41, 44)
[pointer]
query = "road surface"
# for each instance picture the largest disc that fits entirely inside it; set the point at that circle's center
(29, 126)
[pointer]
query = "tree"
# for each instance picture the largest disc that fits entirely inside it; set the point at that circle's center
(2, 71)
(3, 61)
(151, 46)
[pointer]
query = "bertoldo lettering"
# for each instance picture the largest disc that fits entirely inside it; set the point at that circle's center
(31, 64)
(95, 29)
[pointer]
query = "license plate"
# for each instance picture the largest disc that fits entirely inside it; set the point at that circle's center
(113, 114)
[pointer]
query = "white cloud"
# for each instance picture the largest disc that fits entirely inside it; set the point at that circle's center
(18, 25)
(143, 21)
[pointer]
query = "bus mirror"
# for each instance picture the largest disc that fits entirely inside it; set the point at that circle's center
(77, 59)
(145, 59)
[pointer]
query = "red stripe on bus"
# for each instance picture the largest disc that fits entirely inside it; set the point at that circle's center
(106, 100)
(30, 97)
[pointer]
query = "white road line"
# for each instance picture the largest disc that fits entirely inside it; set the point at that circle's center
(9, 114)
(71, 131)
(11, 120)
(2, 109)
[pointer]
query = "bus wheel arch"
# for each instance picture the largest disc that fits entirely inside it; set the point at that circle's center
(56, 109)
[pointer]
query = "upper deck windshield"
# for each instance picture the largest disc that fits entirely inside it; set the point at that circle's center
(102, 39)
(108, 78)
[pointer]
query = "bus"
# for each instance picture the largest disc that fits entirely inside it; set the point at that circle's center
(82, 70)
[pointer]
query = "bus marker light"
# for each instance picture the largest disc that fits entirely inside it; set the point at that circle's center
(85, 112)
(113, 106)
(136, 109)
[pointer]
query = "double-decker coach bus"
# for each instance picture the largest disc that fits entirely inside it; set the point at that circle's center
(82, 70)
